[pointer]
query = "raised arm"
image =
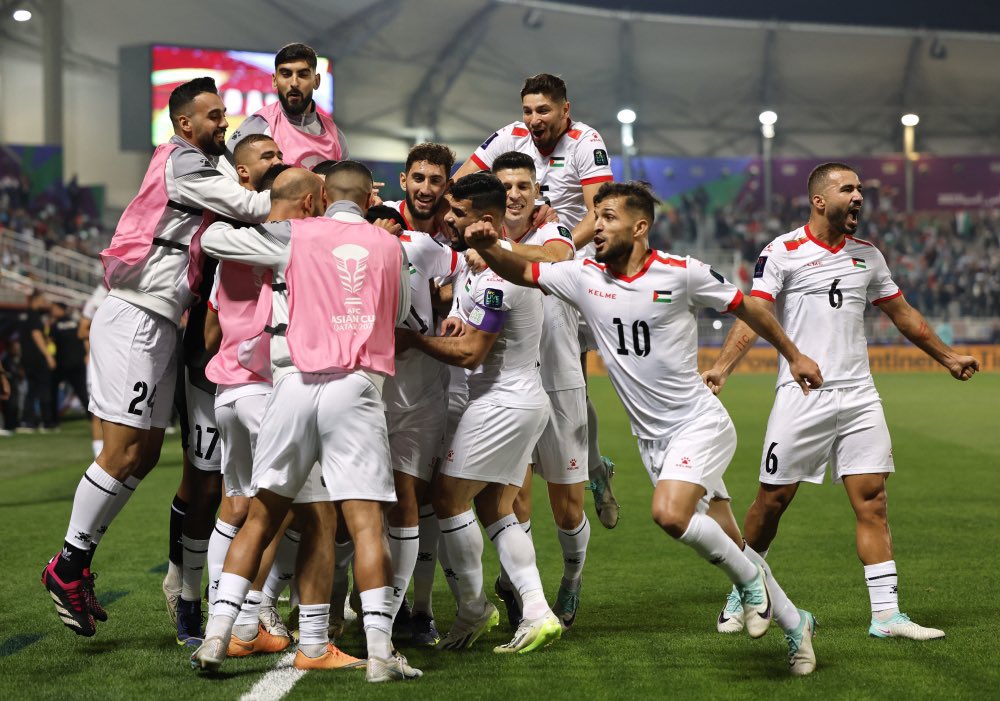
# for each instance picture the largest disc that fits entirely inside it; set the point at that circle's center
(508, 265)
(739, 340)
(914, 326)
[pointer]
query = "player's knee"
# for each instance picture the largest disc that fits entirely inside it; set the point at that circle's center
(873, 506)
(673, 521)
(772, 503)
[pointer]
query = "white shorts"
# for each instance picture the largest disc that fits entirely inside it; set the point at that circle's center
(204, 448)
(586, 337)
(560, 455)
(457, 401)
(493, 443)
(239, 423)
(844, 429)
(415, 439)
(337, 420)
(699, 452)
(133, 353)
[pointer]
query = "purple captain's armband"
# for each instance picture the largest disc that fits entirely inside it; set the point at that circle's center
(486, 319)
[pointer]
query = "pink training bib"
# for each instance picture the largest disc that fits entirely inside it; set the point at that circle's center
(297, 147)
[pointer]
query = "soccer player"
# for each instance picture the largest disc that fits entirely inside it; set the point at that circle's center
(571, 164)
(640, 304)
(134, 332)
(415, 397)
(345, 289)
(561, 453)
(817, 280)
(505, 415)
(306, 135)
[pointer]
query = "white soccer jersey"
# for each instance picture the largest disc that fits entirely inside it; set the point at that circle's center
(509, 374)
(647, 332)
(820, 295)
(579, 158)
(559, 350)
(419, 377)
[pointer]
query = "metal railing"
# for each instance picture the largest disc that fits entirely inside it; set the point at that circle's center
(61, 273)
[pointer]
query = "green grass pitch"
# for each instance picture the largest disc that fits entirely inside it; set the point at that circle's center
(646, 622)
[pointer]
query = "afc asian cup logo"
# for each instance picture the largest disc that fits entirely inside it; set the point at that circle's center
(352, 261)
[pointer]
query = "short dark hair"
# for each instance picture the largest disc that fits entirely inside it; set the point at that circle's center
(546, 84)
(818, 176)
(324, 167)
(514, 160)
(435, 154)
(267, 179)
(62, 306)
(248, 141)
(383, 212)
(349, 180)
(483, 189)
(349, 166)
(295, 52)
(183, 95)
(638, 194)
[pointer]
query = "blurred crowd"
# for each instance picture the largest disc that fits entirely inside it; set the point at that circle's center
(947, 264)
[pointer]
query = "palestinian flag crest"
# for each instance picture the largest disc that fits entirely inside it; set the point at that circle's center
(557, 162)
(859, 263)
(662, 296)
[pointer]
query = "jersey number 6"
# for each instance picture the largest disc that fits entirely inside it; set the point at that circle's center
(836, 296)
(771, 461)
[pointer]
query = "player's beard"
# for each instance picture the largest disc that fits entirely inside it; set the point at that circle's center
(295, 110)
(613, 251)
(212, 147)
(456, 239)
(411, 208)
(840, 222)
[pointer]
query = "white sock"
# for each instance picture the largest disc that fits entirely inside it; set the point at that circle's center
(94, 495)
(593, 449)
(504, 577)
(574, 548)
(232, 593)
(218, 546)
(250, 610)
(283, 569)
(785, 613)
(343, 555)
(464, 543)
(314, 622)
(449, 573)
(195, 555)
(533, 604)
(427, 556)
(376, 613)
(97, 446)
(115, 507)
(403, 546)
(517, 555)
(883, 583)
(707, 538)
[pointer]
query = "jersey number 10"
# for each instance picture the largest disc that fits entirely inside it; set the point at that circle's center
(640, 337)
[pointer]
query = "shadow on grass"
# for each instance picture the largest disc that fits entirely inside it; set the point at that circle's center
(36, 502)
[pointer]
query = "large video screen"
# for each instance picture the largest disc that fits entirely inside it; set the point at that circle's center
(243, 78)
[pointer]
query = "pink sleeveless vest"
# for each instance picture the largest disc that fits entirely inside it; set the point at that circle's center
(136, 230)
(343, 293)
(239, 291)
(298, 148)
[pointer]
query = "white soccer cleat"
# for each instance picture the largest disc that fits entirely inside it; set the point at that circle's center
(271, 620)
(533, 634)
(900, 626)
(801, 656)
(756, 604)
(393, 669)
(731, 617)
(210, 654)
(464, 633)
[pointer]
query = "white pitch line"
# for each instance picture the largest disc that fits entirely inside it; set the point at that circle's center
(277, 683)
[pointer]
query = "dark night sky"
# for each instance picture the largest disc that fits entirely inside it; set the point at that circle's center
(963, 15)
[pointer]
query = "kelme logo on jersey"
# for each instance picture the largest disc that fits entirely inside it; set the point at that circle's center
(662, 296)
(493, 298)
(564, 232)
(600, 157)
(758, 270)
(557, 162)
(859, 263)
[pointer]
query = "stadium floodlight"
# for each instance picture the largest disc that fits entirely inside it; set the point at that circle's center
(910, 120)
(768, 118)
(21, 15)
(626, 115)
